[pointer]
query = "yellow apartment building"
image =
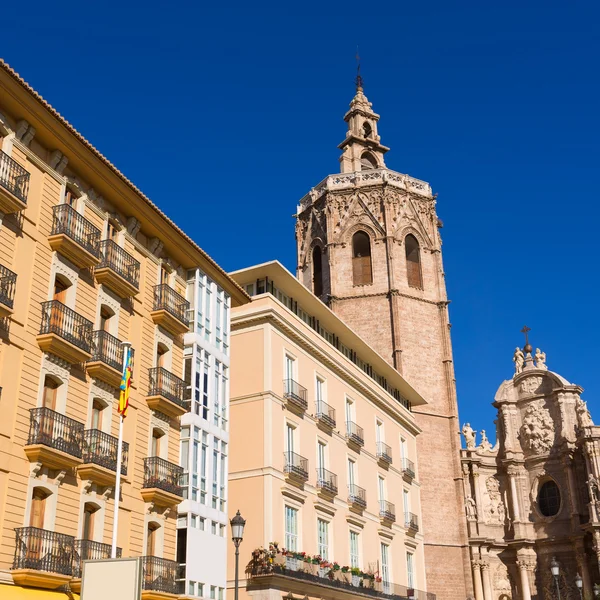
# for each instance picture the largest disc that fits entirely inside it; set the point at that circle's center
(86, 262)
(323, 453)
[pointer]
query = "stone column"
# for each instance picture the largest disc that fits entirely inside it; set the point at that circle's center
(477, 584)
(568, 462)
(524, 576)
(487, 581)
(584, 571)
(514, 496)
(476, 484)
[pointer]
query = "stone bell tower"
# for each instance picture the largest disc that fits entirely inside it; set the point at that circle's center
(368, 245)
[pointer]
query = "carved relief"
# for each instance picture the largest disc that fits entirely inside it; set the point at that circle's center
(537, 432)
(494, 509)
(531, 385)
(502, 582)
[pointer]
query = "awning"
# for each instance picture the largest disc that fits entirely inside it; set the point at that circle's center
(16, 592)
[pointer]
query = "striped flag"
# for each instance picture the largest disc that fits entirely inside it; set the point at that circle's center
(126, 382)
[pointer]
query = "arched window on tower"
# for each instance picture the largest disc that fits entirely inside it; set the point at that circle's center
(413, 262)
(317, 271)
(362, 273)
(367, 130)
(367, 161)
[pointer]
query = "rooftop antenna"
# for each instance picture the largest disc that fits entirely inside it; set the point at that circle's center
(359, 79)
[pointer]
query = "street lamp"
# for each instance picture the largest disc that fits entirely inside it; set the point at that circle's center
(555, 568)
(237, 535)
(579, 584)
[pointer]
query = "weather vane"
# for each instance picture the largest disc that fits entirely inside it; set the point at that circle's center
(359, 80)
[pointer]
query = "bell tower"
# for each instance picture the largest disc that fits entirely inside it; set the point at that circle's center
(368, 245)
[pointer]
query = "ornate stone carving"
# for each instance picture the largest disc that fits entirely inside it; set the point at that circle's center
(155, 246)
(519, 360)
(471, 508)
(583, 414)
(531, 385)
(502, 581)
(25, 132)
(494, 509)
(469, 434)
(133, 226)
(540, 359)
(537, 431)
(485, 444)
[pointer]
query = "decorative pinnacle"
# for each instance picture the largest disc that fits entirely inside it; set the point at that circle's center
(527, 348)
(359, 79)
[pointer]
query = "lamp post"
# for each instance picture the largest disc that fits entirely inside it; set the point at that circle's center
(579, 584)
(237, 535)
(555, 569)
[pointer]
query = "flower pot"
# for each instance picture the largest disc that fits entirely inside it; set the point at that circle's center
(356, 580)
(323, 571)
(291, 563)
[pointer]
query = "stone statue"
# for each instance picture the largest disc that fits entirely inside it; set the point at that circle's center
(583, 414)
(540, 359)
(485, 443)
(471, 507)
(593, 488)
(519, 360)
(469, 434)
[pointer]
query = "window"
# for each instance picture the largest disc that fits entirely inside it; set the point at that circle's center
(381, 488)
(354, 556)
(89, 512)
(367, 130)
(213, 592)
(203, 467)
(410, 570)
(403, 452)
(379, 432)
(191, 588)
(221, 592)
(361, 259)
(207, 311)
(97, 407)
(215, 473)
(213, 527)
(205, 386)
(202, 524)
(289, 374)
(317, 271)
(320, 393)
(151, 539)
(351, 467)
(71, 199)
(161, 354)
(349, 411)
(321, 464)
(155, 446)
(106, 315)
(549, 498)
(291, 528)
(216, 393)
(49, 393)
(200, 590)
(367, 162)
(323, 538)
(406, 503)
(413, 262)
(112, 230)
(222, 530)
(164, 273)
(38, 508)
(385, 566)
(290, 431)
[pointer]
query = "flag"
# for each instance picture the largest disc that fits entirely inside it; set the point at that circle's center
(126, 382)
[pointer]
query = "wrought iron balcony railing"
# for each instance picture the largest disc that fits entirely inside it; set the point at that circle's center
(166, 298)
(327, 481)
(387, 510)
(357, 495)
(355, 433)
(384, 452)
(162, 474)
(411, 521)
(8, 285)
(295, 393)
(13, 177)
(325, 413)
(43, 550)
(90, 550)
(296, 465)
(100, 448)
(169, 386)
(108, 349)
(49, 428)
(66, 220)
(66, 324)
(408, 467)
(160, 575)
(113, 257)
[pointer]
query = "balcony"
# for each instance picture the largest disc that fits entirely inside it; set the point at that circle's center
(100, 457)
(411, 522)
(106, 362)
(159, 578)
(166, 393)
(8, 285)
(65, 333)
(74, 237)
(384, 454)
(408, 468)
(295, 395)
(170, 309)
(357, 497)
(327, 484)
(42, 558)
(355, 435)
(14, 185)
(54, 440)
(118, 270)
(162, 482)
(325, 415)
(88, 550)
(295, 467)
(387, 512)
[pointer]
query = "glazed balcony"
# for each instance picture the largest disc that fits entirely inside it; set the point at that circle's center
(118, 270)
(408, 468)
(8, 285)
(74, 237)
(100, 457)
(295, 467)
(166, 393)
(170, 309)
(355, 435)
(162, 482)
(295, 395)
(387, 512)
(54, 440)
(327, 483)
(89, 550)
(384, 453)
(106, 362)
(325, 414)
(42, 558)
(160, 578)
(357, 497)
(65, 333)
(411, 522)
(14, 185)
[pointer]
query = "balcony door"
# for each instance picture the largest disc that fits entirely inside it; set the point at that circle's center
(156, 443)
(58, 317)
(151, 539)
(36, 519)
(46, 426)
(89, 515)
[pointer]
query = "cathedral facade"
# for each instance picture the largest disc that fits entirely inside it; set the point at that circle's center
(368, 245)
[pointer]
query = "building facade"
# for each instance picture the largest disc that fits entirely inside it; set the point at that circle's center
(323, 449)
(534, 496)
(86, 262)
(368, 245)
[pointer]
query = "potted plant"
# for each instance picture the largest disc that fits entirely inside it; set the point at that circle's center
(356, 576)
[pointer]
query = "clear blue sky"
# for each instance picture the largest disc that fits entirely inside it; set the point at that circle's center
(496, 106)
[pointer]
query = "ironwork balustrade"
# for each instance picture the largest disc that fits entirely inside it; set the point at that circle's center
(355, 433)
(90, 550)
(8, 285)
(100, 448)
(66, 220)
(43, 550)
(387, 510)
(108, 349)
(113, 257)
(325, 413)
(357, 495)
(160, 575)
(408, 467)
(384, 452)
(66, 324)
(295, 393)
(49, 428)
(296, 464)
(169, 386)
(162, 474)
(411, 521)
(327, 481)
(13, 177)
(166, 298)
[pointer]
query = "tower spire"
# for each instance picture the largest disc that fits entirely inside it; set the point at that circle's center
(359, 79)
